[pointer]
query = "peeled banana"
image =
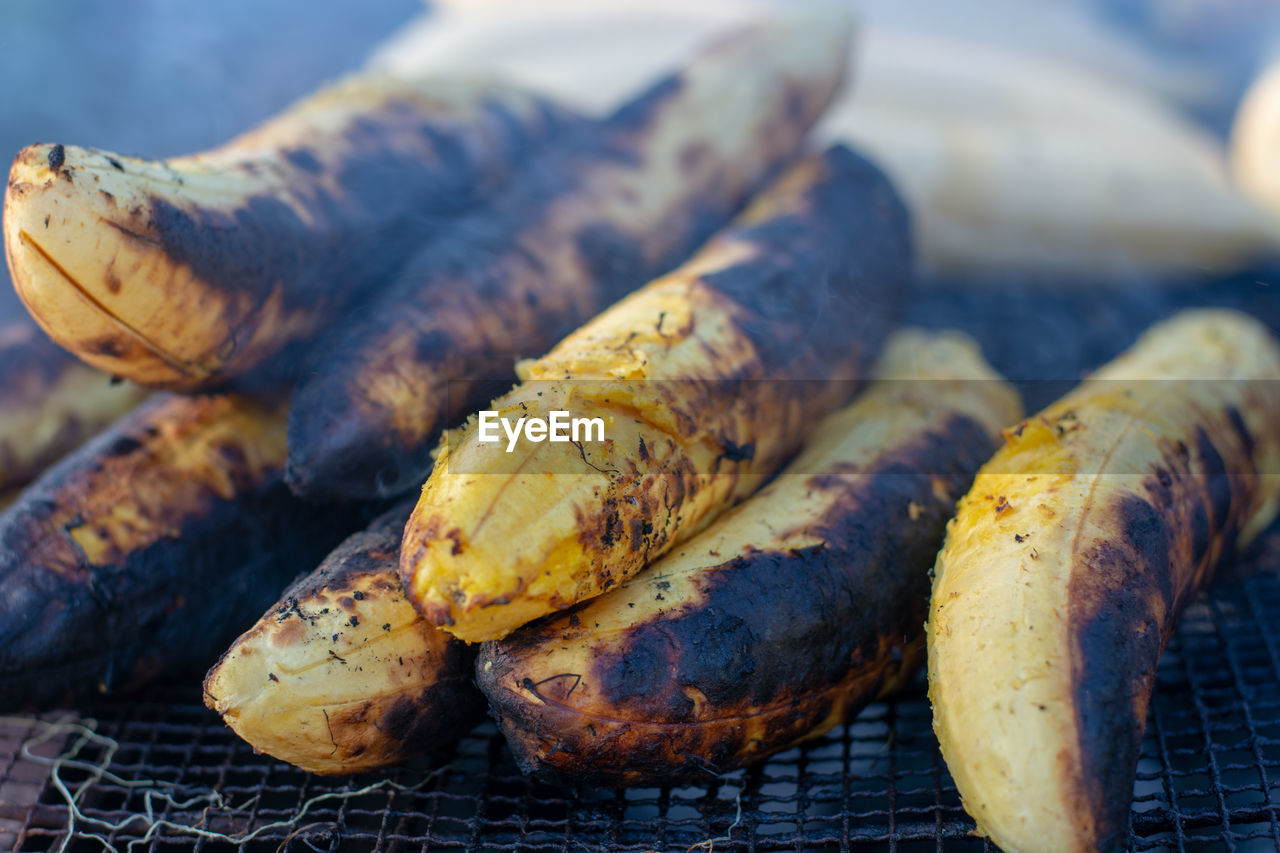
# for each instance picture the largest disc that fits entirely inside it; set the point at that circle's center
(342, 675)
(50, 403)
(190, 272)
(146, 550)
(781, 619)
(1070, 559)
(593, 219)
(705, 381)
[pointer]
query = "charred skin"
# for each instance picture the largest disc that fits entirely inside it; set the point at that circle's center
(146, 550)
(342, 675)
(780, 620)
(592, 220)
(707, 380)
(1071, 557)
(187, 273)
(50, 403)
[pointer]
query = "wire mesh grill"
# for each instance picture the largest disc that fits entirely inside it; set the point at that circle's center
(1209, 772)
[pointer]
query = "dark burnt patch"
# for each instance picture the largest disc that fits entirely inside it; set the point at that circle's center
(1121, 600)
(70, 626)
(115, 164)
(1241, 429)
(57, 156)
(110, 279)
(825, 280)
(613, 259)
(1217, 483)
(123, 446)
(791, 623)
(109, 347)
(303, 159)
(398, 720)
(644, 109)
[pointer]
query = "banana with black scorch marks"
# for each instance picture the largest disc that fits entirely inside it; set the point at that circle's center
(780, 620)
(189, 272)
(342, 675)
(1070, 559)
(144, 551)
(625, 201)
(50, 403)
(707, 379)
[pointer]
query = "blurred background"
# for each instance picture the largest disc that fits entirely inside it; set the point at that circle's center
(1043, 146)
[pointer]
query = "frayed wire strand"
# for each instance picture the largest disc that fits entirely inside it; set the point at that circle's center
(86, 733)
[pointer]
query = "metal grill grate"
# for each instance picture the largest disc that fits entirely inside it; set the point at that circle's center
(1210, 772)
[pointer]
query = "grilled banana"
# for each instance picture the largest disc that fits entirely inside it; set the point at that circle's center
(146, 550)
(705, 381)
(780, 620)
(593, 220)
(342, 675)
(51, 403)
(1070, 559)
(189, 272)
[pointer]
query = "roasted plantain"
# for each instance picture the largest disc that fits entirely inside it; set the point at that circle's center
(780, 620)
(342, 675)
(146, 550)
(189, 272)
(1070, 559)
(50, 403)
(705, 381)
(594, 219)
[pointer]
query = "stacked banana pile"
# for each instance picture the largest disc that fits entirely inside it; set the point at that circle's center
(742, 563)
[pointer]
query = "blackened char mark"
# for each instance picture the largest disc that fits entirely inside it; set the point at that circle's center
(829, 279)
(1121, 601)
(1242, 431)
(162, 609)
(381, 203)
(370, 553)
(302, 159)
(792, 623)
(646, 108)
(444, 710)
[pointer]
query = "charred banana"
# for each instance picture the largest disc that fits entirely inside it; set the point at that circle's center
(1070, 559)
(626, 201)
(51, 403)
(190, 272)
(146, 550)
(342, 675)
(704, 381)
(780, 620)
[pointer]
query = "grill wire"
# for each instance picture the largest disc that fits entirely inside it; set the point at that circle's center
(1209, 772)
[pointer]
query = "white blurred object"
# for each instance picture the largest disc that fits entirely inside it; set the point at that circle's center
(1255, 140)
(1024, 135)
(1011, 160)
